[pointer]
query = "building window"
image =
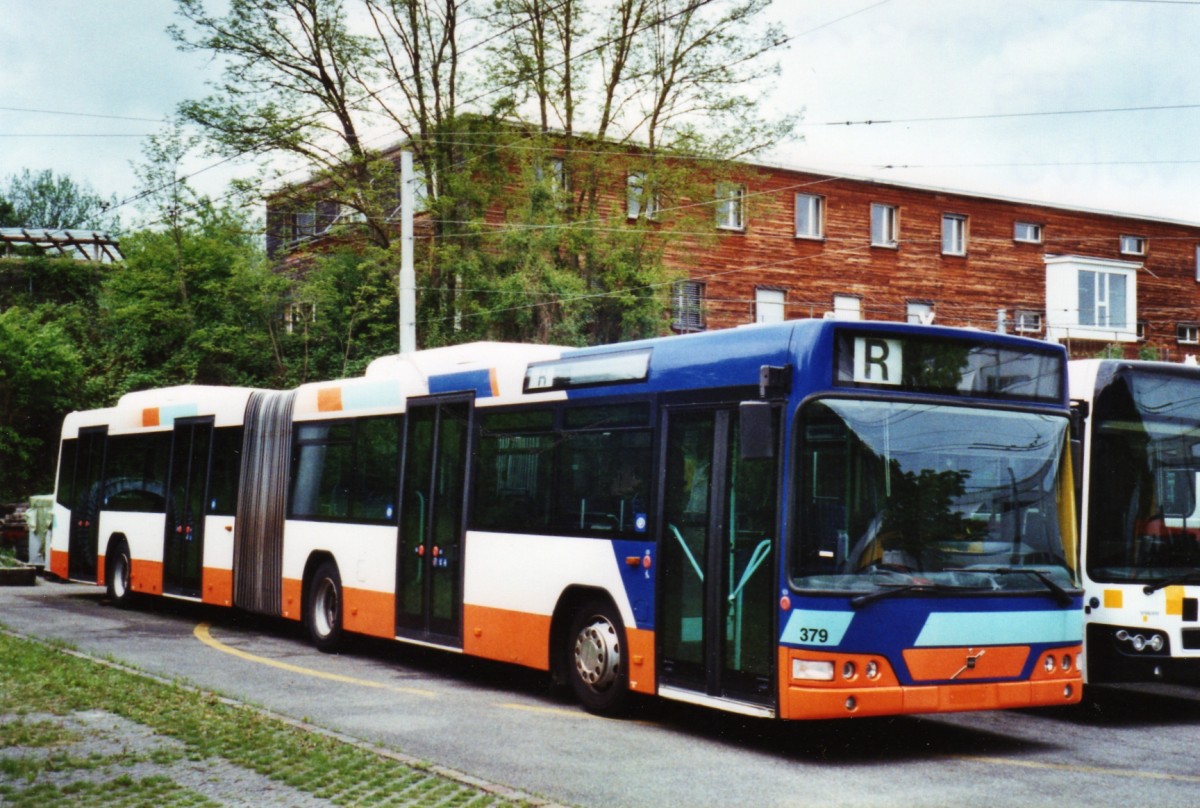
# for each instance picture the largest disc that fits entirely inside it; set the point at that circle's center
(847, 307)
(687, 306)
(1141, 330)
(296, 315)
(640, 200)
(1198, 263)
(810, 216)
(884, 225)
(1133, 245)
(1027, 232)
(1102, 299)
(919, 312)
(768, 305)
(954, 234)
(553, 171)
(1187, 333)
(1091, 298)
(731, 200)
(304, 224)
(1028, 321)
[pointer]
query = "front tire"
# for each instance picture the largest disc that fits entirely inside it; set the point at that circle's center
(324, 608)
(596, 662)
(117, 576)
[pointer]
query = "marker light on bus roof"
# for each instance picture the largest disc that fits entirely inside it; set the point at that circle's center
(812, 669)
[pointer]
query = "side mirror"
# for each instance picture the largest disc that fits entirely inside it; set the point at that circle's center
(756, 429)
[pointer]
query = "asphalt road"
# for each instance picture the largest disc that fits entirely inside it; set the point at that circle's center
(1124, 747)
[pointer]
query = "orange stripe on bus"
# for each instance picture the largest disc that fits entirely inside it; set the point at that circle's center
(60, 563)
(860, 696)
(217, 586)
(369, 612)
(507, 636)
(150, 416)
(494, 382)
(993, 662)
(641, 660)
(292, 598)
(329, 399)
(145, 576)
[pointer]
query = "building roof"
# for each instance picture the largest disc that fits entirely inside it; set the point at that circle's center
(83, 245)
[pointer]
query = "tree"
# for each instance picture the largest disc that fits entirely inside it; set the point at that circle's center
(55, 202)
(41, 379)
(193, 304)
(302, 81)
(8, 214)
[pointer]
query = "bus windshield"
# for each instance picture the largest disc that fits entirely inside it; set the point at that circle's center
(892, 493)
(1143, 518)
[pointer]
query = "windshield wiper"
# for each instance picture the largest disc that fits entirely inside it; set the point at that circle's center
(858, 601)
(1163, 583)
(1060, 594)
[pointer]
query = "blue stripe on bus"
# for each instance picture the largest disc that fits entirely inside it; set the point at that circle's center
(478, 380)
(371, 395)
(999, 628)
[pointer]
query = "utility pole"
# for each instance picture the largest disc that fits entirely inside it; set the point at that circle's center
(408, 275)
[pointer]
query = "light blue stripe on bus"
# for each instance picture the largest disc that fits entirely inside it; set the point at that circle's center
(168, 415)
(816, 627)
(999, 628)
(371, 395)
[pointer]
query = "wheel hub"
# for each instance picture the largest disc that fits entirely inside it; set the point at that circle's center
(598, 654)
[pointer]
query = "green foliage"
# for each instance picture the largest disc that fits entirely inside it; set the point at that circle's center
(55, 202)
(350, 315)
(1113, 350)
(41, 377)
(194, 304)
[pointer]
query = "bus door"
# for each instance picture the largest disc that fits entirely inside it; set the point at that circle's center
(433, 496)
(717, 557)
(183, 546)
(87, 499)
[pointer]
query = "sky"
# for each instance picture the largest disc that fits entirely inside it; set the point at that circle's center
(1082, 103)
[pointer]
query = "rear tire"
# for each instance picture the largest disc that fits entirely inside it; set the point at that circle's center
(596, 659)
(117, 576)
(323, 612)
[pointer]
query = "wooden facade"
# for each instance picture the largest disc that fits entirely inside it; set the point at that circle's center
(1097, 281)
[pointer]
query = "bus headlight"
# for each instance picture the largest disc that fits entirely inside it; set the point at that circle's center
(1049, 663)
(1151, 640)
(812, 669)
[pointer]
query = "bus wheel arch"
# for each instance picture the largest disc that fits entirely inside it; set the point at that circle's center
(589, 645)
(323, 601)
(117, 571)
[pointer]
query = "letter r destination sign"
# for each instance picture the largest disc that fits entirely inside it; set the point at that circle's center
(877, 360)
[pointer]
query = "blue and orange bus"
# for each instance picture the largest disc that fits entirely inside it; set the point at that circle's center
(811, 519)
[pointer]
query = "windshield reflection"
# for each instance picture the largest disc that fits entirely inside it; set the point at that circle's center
(1143, 516)
(892, 492)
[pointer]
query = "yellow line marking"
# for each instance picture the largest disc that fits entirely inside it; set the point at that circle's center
(559, 711)
(205, 636)
(1067, 767)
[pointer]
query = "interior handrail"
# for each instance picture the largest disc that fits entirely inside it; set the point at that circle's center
(687, 551)
(756, 559)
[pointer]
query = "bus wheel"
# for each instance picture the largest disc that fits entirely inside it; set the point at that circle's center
(596, 665)
(116, 575)
(324, 615)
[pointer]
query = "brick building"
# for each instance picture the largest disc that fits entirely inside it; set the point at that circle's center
(783, 243)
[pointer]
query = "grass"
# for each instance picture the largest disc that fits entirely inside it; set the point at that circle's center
(37, 680)
(8, 558)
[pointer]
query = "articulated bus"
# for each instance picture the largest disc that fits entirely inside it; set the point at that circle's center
(811, 519)
(1140, 519)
